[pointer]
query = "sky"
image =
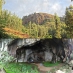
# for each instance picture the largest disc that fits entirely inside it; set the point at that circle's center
(25, 7)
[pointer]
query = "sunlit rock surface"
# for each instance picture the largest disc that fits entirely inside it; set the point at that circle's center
(7, 45)
(59, 71)
(71, 63)
(4, 44)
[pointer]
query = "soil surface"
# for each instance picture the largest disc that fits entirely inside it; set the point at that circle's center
(44, 69)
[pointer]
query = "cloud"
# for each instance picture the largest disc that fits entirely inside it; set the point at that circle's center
(56, 6)
(26, 7)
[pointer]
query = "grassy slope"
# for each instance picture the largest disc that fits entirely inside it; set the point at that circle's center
(20, 68)
(15, 33)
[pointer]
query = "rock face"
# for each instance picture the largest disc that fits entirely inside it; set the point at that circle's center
(12, 47)
(48, 55)
(48, 46)
(38, 18)
(68, 47)
(3, 44)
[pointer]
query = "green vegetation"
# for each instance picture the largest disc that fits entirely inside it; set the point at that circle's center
(47, 30)
(7, 62)
(9, 20)
(43, 26)
(5, 57)
(20, 68)
(50, 64)
(65, 68)
(69, 21)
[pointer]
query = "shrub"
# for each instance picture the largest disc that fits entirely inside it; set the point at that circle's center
(5, 57)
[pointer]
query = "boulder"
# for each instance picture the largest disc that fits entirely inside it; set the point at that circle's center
(71, 55)
(59, 71)
(71, 63)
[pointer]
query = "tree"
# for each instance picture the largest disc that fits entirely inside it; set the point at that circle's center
(2, 20)
(58, 27)
(1, 4)
(69, 21)
(30, 25)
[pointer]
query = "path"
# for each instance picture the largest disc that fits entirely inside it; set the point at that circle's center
(44, 69)
(2, 71)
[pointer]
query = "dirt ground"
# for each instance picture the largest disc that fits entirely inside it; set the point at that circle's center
(43, 69)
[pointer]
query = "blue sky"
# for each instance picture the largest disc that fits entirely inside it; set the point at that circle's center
(26, 7)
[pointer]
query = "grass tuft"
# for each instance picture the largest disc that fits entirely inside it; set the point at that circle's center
(50, 64)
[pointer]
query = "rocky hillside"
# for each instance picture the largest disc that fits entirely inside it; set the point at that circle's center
(38, 18)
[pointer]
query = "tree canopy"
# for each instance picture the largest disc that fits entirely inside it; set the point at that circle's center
(37, 25)
(69, 21)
